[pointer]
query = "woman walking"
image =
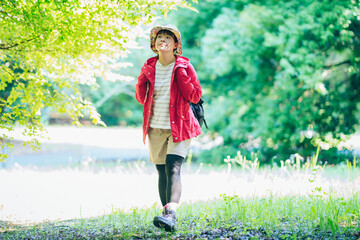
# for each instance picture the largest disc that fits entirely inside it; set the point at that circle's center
(166, 85)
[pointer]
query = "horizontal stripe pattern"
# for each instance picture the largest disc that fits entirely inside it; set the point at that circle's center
(160, 117)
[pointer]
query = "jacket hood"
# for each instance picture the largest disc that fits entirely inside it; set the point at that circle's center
(180, 61)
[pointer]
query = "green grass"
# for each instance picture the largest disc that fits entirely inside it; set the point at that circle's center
(230, 216)
(321, 214)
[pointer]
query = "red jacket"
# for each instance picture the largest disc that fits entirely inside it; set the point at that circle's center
(184, 88)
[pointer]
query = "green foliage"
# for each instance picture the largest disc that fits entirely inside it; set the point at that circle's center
(114, 100)
(49, 48)
(281, 73)
(122, 110)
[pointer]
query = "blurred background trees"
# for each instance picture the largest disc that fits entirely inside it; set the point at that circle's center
(279, 77)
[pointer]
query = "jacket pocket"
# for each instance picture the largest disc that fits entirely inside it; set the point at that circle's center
(184, 113)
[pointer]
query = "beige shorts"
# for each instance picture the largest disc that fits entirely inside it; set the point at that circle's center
(161, 143)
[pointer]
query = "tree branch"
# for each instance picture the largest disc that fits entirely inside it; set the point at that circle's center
(7, 47)
(338, 64)
(3, 12)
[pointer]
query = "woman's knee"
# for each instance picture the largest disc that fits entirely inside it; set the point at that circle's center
(173, 164)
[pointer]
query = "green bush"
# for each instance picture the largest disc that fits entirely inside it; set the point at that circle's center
(121, 110)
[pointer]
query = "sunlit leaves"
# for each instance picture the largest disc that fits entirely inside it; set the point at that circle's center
(49, 48)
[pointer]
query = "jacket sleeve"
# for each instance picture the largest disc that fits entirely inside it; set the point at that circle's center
(188, 83)
(141, 88)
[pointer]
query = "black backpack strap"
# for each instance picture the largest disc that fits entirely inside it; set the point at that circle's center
(205, 123)
(198, 111)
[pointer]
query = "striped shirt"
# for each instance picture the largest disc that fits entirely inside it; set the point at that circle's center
(160, 117)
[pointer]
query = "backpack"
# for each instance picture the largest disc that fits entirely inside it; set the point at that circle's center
(198, 111)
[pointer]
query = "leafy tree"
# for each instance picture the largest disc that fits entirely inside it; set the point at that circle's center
(49, 48)
(281, 76)
(114, 100)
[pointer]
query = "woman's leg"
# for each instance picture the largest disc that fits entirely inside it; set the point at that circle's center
(173, 193)
(158, 142)
(162, 184)
(173, 169)
(173, 161)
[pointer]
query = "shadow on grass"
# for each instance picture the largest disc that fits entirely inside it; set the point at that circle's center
(102, 228)
(114, 226)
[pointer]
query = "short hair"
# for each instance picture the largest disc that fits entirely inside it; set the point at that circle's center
(168, 32)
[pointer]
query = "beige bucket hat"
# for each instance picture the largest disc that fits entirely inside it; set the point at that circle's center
(154, 31)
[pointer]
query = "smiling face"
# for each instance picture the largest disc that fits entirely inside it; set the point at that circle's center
(165, 42)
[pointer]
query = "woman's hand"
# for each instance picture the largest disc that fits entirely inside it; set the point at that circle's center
(181, 71)
(188, 84)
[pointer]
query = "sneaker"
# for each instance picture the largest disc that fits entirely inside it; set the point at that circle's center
(166, 221)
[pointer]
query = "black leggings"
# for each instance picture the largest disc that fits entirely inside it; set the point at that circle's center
(170, 179)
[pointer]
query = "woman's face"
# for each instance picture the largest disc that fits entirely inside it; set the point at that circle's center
(165, 43)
